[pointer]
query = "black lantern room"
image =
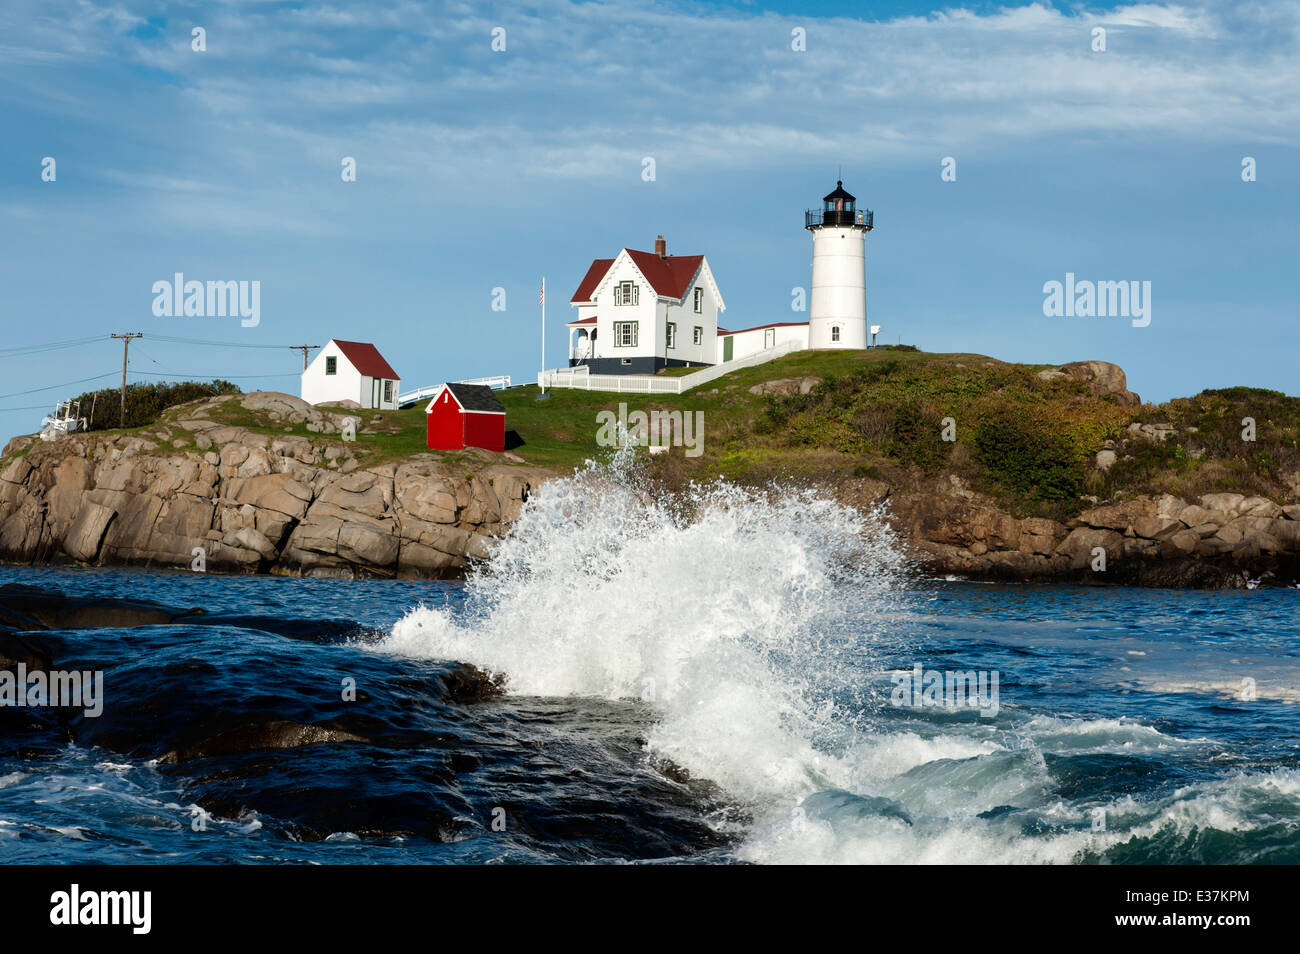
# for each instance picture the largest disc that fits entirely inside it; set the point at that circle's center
(838, 208)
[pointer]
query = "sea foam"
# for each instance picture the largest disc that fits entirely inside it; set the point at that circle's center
(747, 619)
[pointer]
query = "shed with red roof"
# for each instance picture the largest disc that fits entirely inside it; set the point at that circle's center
(351, 371)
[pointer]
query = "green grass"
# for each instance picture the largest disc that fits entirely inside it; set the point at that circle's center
(560, 432)
(878, 414)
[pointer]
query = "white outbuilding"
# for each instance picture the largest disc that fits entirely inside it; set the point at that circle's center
(351, 371)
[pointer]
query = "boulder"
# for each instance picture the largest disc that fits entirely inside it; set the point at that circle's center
(786, 386)
(1103, 378)
(1040, 535)
(248, 538)
(1228, 503)
(83, 538)
(1080, 543)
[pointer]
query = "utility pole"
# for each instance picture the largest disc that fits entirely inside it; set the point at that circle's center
(304, 349)
(126, 344)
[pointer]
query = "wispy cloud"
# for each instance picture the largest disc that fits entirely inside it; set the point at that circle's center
(584, 91)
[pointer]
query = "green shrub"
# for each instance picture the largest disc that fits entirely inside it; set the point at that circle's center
(1027, 454)
(145, 403)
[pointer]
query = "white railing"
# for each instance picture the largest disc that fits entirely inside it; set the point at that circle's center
(410, 397)
(495, 383)
(581, 378)
(705, 375)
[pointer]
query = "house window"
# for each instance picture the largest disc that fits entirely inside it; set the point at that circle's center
(672, 334)
(626, 361)
(625, 334)
(699, 300)
(331, 365)
(388, 392)
(626, 293)
(835, 332)
(699, 335)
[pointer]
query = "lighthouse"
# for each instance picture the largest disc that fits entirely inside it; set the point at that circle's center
(837, 309)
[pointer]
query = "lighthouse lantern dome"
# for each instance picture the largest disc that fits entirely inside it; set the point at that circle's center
(839, 200)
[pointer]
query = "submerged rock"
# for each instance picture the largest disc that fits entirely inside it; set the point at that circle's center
(29, 608)
(259, 737)
(466, 683)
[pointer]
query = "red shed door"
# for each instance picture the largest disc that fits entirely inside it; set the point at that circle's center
(445, 428)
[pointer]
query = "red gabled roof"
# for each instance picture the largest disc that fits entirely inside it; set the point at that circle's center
(589, 281)
(584, 321)
(366, 358)
(670, 276)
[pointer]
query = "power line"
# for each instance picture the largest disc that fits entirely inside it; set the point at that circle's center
(52, 387)
(213, 377)
(216, 344)
(19, 350)
(163, 372)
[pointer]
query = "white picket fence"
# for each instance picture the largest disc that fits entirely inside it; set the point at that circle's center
(581, 378)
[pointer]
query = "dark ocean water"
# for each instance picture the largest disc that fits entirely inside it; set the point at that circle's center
(707, 688)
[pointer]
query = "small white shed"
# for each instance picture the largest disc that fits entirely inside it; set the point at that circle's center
(351, 371)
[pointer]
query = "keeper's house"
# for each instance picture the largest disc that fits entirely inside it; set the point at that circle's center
(351, 371)
(465, 415)
(640, 312)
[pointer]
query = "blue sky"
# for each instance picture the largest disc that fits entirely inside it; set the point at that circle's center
(480, 169)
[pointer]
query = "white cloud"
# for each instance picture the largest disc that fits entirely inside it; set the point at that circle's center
(584, 90)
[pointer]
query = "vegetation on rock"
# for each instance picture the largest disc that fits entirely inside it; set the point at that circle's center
(145, 403)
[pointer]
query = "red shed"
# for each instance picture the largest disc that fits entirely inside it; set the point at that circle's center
(466, 415)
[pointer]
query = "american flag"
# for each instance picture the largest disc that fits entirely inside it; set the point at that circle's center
(541, 295)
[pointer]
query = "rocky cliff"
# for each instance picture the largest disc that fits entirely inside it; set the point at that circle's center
(283, 493)
(1221, 540)
(253, 501)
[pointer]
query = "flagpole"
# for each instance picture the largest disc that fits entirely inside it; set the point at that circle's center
(543, 389)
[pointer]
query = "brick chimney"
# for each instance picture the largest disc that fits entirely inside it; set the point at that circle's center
(661, 247)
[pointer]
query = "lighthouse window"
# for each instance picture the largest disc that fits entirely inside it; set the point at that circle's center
(672, 334)
(626, 293)
(625, 334)
(699, 300)
(835, 332)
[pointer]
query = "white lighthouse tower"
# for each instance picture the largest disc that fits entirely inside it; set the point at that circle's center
(837, 309)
